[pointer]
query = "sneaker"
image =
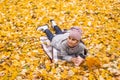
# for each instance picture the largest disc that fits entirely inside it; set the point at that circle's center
(42, 28)
(53, 23)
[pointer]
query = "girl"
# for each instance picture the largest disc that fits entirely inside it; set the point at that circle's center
(69, 44)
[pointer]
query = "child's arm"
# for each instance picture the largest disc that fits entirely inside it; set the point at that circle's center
(65, 56)
(83, 54)
(76, 60)
(83, 51)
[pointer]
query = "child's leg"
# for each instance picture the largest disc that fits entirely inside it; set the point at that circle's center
(57, 30)
(49, 34)
(45, 29)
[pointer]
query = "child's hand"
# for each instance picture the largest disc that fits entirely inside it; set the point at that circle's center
(74, 60)
(78, 61)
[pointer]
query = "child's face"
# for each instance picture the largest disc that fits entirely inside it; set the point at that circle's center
(72, 42)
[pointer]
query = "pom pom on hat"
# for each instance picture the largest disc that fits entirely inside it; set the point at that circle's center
(76, 33)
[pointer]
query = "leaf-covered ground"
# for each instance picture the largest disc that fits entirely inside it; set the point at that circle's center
(22, 57)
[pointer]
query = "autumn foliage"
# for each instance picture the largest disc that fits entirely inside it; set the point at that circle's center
(21, 54)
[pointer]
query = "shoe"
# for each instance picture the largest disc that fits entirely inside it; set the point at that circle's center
(42, 28)
(53, 23)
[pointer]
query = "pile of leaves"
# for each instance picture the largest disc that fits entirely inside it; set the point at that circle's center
(21, 54)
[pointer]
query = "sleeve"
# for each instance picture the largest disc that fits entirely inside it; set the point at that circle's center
(64, 55)
(84, 54)
(83, 51)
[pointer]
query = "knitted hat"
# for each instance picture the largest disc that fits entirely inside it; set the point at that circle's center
(75, 32)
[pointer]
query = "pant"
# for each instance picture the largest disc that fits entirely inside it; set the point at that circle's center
(49, 33)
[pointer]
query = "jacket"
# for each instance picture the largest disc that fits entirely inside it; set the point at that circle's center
(59, 42)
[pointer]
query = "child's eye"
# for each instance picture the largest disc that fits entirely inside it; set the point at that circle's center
(71, 38)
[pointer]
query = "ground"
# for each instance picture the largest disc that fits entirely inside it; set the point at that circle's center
(21, 54)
